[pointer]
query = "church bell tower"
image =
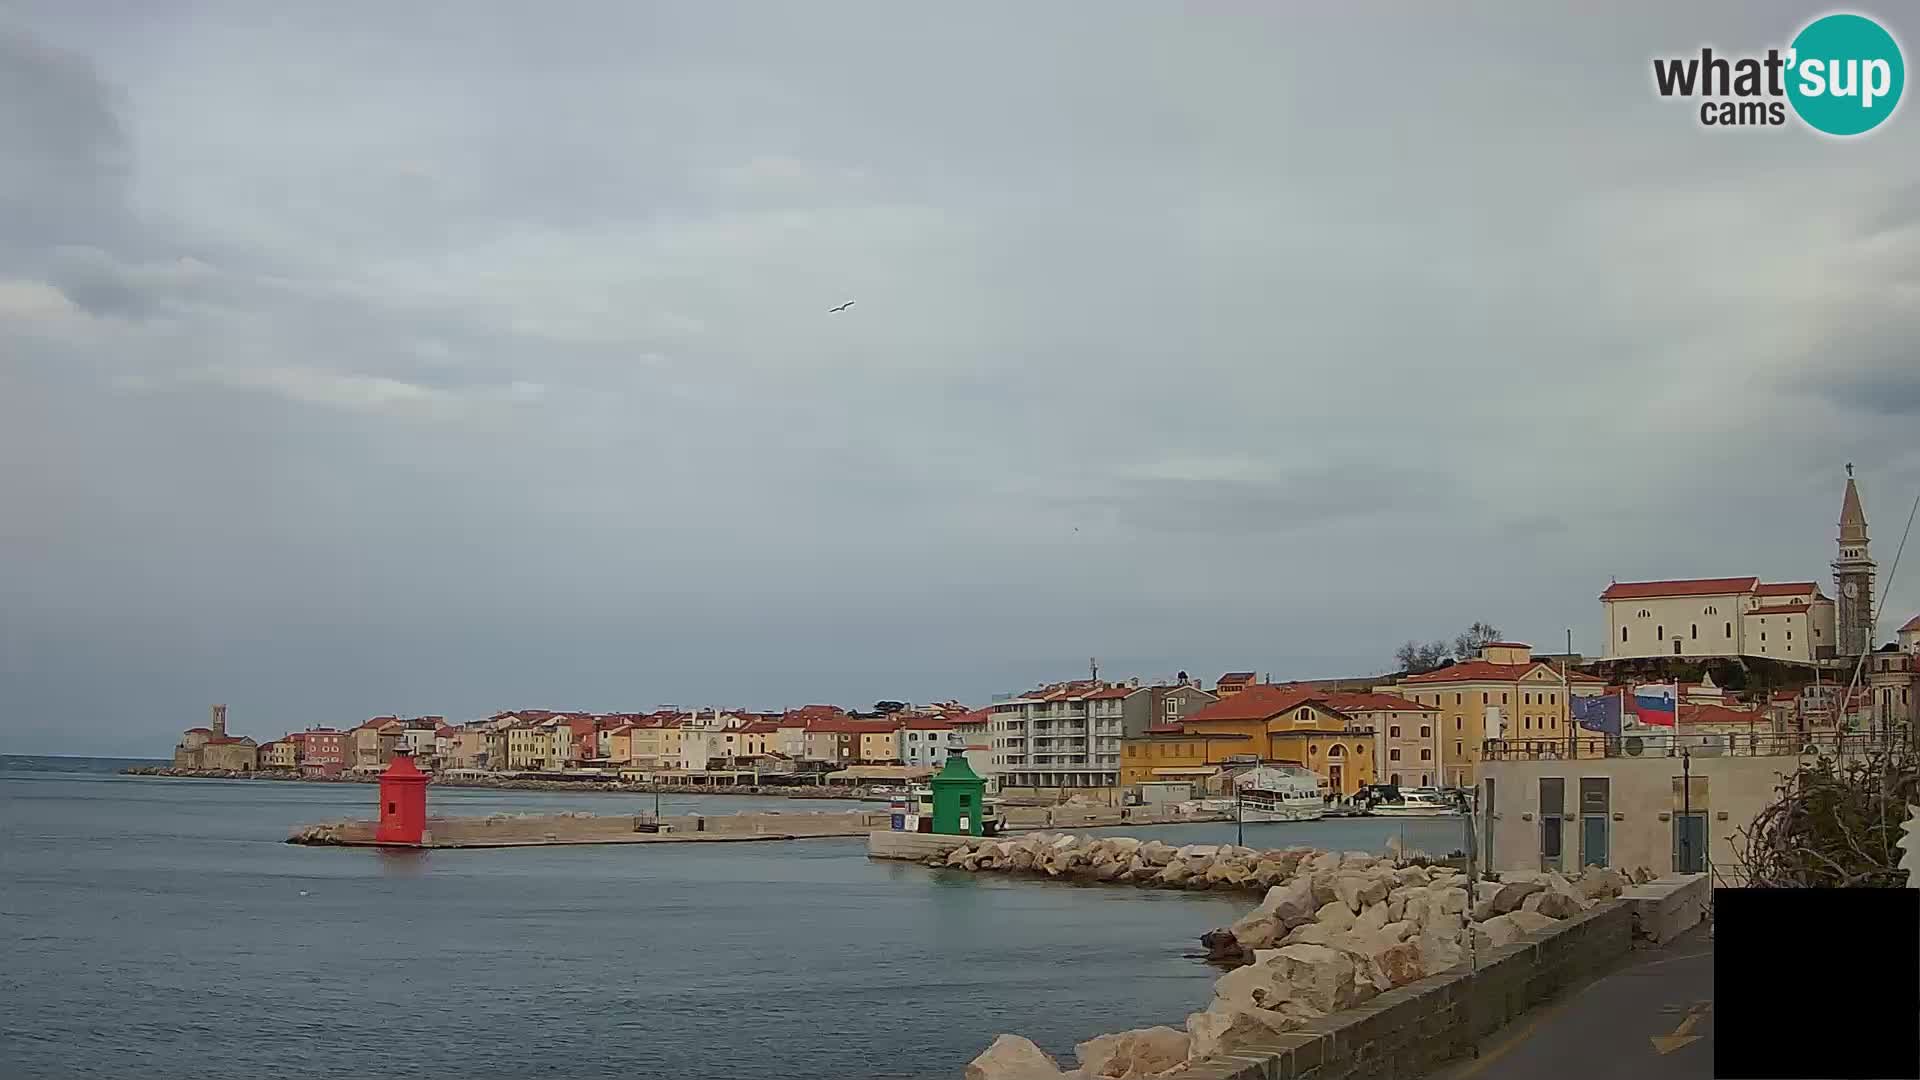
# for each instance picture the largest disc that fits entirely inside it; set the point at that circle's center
(1853, 576)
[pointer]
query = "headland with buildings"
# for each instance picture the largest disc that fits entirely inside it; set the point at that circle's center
(1562, 764)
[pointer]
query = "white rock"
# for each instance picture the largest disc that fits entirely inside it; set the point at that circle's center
(1216, 1032)
(1495, 932)
(1559, 905)
(1131, 1054)
(1530, 921)
(1256, 930)
(1012, 1057)
(1511, 895)
(1291, 903)
(1438, 952)
(1371, 919)
(1335, 916)
(1320, 977)
(1253, 986)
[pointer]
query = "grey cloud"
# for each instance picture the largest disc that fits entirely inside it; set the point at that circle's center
(374, 362)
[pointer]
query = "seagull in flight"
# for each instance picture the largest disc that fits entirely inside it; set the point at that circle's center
(842, 307)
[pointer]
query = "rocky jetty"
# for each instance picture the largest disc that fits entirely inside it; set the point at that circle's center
(1331, 930)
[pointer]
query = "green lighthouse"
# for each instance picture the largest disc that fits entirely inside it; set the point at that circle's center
(958, 795)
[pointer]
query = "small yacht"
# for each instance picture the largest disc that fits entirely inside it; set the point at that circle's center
(1416, 802)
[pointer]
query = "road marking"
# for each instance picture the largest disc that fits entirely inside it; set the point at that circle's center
(1682, 1035)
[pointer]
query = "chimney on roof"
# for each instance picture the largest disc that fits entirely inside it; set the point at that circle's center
(219, 721)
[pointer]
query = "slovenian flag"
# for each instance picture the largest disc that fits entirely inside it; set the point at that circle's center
(1656, 704)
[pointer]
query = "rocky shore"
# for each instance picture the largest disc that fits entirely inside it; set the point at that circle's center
(512, 783)
(1331, 931)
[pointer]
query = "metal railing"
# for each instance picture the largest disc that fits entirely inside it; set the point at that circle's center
(1703, 744)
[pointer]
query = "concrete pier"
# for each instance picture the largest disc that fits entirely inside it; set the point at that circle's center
(529, 830)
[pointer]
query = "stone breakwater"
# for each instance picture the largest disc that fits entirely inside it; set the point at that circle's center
(1331, 931)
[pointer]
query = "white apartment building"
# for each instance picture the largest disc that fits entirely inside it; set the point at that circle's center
(926, 741)
(1062, 736)
(1708, 617)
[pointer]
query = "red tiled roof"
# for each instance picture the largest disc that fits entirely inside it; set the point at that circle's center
(977, 716)
(849, 726)
(760, 727)
(1648, 590)
(1487, 671)
(929, 723)
(1233, 677)
(1165, 729)
(198, 730)
(1369, 702)
(1260, 701)
(446, 732)
(1113, 692)
(1783, 609)
(1507, 645)
(1913, 626)
(1787, 588)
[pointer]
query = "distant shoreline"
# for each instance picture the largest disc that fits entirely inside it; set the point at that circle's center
(613, 787)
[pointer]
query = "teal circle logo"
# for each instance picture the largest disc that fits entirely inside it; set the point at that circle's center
(1845, 74)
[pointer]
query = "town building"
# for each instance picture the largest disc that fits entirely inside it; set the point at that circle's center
(1893, 689)
(928, 741)
(212, 748)
(974, 729)
(1909, 636)
(1406, 743)
(1718, 617)
(281, 754)
(320, 751)
(1233, 682)
(1161, 703)
(1541, 811)
(1502, 693)
(1058, 737)
(1268, 723)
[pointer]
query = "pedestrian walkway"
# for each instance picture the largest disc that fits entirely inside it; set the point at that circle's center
(1650, 1019)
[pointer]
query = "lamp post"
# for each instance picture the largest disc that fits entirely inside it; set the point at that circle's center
(1686, 809)
(1239, 816)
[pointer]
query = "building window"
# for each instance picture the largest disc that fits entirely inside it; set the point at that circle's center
(1645, 614)
(1789, 635)
(1729, 631)
(1426, 755)
(1459, 750)
(1659, 632)
(1696, 631)
(1459, 699)
(1526, 722)
(1456, 723)
(1393, 754)
(1526, 699)
(1426, 732)
(1312, 749)
(1393, 732)
(1336, 750)
(1623, 635)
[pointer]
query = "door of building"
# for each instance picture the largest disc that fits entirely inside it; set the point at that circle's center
(1690, 843)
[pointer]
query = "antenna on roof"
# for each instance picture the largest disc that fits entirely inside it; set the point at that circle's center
(1093, 665)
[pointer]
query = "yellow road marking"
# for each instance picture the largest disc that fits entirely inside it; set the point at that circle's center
(1682, 1035)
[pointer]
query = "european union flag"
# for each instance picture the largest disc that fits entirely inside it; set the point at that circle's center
(1597, 713)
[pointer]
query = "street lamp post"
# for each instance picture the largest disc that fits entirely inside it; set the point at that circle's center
(1686, 809)
(1239, 816)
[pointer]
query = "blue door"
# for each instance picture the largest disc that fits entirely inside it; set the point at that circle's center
(1593, 840)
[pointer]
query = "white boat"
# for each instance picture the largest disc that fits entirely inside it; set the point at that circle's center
(1416, 802)
(1280, 793)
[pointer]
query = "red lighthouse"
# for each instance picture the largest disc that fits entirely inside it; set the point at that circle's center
(403, 803)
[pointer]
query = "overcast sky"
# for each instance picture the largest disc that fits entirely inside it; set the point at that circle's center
(366, 357)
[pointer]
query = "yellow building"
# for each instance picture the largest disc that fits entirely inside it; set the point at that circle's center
(1503, 694)
(1169, 753)
(655, 741)
(620, 744)
(880, 745)
(1275, 724)
(280, 754)
(528, 745)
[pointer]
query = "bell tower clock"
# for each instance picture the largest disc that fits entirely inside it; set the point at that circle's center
(1853, 576)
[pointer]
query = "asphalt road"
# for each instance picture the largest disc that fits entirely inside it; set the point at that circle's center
(1651, 1019)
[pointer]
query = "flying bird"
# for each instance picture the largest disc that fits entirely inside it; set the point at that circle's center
(842, 307)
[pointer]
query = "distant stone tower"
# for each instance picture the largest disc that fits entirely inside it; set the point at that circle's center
(1853, 575)
(219, 721)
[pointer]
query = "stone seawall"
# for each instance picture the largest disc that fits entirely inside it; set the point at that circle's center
(515, 783)
(1406, 1032)
(1354, 964)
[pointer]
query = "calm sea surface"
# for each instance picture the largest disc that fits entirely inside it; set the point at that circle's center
(160, 928)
